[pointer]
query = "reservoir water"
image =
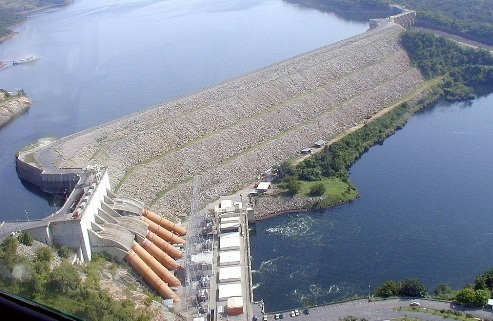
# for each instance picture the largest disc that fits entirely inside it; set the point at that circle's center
(426, 200)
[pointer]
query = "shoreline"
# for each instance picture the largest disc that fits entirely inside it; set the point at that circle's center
(26, 18)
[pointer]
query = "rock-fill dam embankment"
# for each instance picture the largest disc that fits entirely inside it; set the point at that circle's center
(223, 137)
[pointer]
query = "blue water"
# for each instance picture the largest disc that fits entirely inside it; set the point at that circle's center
(100, 60)
(425, 211)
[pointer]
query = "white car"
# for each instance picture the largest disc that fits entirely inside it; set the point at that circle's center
(296, 312)
(415, 304)
(292, 313)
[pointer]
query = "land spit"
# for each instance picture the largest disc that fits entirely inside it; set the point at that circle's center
(215, 141)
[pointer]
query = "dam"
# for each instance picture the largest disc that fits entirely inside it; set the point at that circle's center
(183, 154)
(226, 135)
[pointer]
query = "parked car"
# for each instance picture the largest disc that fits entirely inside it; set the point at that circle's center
(306, 311)
(292, 313)
(296, 312)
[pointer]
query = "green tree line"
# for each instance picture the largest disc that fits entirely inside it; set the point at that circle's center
(476, 293)
(472, 19)
(61, 287)
(467, 72)
(11, 12)
(8, 19)
(475, 23)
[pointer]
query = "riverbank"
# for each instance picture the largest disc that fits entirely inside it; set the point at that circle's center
(24, 14)
(12, 105)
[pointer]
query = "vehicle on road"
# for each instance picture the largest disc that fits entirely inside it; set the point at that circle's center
(415, 304)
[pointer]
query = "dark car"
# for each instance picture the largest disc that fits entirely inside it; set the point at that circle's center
(306, 311)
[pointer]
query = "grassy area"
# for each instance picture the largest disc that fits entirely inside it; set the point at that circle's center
(446, 314)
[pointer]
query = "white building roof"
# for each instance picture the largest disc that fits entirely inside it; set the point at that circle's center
(235, 301)
(230, 226)
(226, 203)
(229, 290)
(229, 241)
(229, 273)
(230, 219)
(263, 186)
(229, 257)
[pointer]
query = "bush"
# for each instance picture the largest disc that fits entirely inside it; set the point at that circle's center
(25, 238)
(317, 189)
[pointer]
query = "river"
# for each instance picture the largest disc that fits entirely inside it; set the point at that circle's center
(425, 212)
(426, 202)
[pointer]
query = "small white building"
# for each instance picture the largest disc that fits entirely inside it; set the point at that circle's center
(227, 258)
(263, 187)
(229, 274)
(229, 241)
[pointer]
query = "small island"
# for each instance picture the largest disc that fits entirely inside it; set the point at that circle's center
(12, 104)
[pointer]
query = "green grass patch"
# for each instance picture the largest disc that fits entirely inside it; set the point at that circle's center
(446, 314)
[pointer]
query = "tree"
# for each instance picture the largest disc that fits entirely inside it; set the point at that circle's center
(64, 279)
(317, 189)
(25, 238)
(466, 296)
(8, 248)
(292, 185)
(443, 290)
(44, 254)
(481, 297)
(388, 289)
(284, 169)
(413, 288)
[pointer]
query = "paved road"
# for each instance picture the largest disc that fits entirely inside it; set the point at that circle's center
(381, 310)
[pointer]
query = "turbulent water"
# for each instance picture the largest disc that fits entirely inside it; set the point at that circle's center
(426, 211)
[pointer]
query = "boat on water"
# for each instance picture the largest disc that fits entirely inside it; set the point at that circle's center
(24, 60)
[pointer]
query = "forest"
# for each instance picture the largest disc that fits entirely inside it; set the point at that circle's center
(13, 12)
(51, 279)
(475, 23)
(467, 72)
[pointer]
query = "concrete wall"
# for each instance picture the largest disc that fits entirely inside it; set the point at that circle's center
(55, 183)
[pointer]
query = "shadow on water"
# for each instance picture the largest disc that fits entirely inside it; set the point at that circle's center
(349, 13)
(55, 201)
